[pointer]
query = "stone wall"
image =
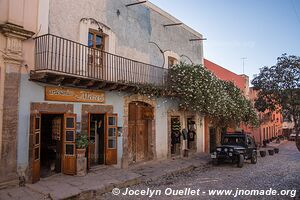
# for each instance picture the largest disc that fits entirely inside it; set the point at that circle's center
(11, 62)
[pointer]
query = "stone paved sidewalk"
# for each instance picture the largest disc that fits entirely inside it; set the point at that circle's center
(102, 180)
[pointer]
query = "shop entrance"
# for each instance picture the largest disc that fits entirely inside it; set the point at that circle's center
(97, 133)
(175, 135)
(102, 135)
(51, 144)
(191, 124)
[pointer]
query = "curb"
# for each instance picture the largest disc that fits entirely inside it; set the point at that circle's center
(91, 194)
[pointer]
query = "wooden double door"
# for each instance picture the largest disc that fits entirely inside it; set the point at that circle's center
(67, 138)
(139, 131)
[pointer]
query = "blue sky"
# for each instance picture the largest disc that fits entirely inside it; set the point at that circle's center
(260, 30)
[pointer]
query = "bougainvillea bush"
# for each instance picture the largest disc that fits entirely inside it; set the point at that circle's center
(198, 90)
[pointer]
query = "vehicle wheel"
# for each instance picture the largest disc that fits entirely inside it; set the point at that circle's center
(240, 163)
(254, 158)
(215, 161)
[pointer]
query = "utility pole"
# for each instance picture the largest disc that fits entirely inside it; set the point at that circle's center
(243, 58)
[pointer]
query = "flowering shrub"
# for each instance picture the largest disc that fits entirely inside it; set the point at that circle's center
(198, 90)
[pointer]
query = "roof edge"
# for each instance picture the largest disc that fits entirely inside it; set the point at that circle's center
(171, 17)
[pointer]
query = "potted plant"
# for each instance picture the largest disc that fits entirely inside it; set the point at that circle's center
(271, 152)
(264, 143)
(81, 144)
(262, 153)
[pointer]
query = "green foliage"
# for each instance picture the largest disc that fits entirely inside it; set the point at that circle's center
(82, 141)
(198, 90)
(279, 89)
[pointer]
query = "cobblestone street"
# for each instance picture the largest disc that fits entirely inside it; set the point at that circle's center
(279, 172)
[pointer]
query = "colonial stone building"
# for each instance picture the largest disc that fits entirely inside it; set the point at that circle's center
(70, 67)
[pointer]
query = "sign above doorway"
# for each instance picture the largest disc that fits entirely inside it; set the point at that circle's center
(73, 95)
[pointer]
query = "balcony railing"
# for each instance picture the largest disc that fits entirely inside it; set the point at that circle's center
(63, 56)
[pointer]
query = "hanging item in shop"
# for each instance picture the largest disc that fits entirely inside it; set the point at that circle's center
(191, 130)
(56, 128)
(175, 131)
(185, 142)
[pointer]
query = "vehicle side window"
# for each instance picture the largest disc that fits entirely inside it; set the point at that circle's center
(249, 140)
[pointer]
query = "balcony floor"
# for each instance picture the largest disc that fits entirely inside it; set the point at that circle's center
(69, 80)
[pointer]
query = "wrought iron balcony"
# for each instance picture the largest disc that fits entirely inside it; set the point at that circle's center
(64, 62)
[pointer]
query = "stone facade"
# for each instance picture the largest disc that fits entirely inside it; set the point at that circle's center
(11, 69)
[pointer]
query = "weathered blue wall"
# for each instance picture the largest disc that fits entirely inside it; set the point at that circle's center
(134, 28)
(33, 92)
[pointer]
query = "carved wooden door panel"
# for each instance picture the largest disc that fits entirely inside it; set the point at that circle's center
(141, 134)
(132, 132)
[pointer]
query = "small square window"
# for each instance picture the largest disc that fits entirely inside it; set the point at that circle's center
(69, 136)
(69, 149)
(70, 123)
(37, 139)
(37, 123)
(112, 121)
(111, 132)
(36, 153)
(112, 143)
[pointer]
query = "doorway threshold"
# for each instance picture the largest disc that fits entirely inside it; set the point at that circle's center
(98, 168)
(52, 176)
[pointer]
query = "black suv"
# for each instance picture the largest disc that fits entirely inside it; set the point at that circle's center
(236, 147)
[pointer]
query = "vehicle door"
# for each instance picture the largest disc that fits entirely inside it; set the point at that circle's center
(250, 146)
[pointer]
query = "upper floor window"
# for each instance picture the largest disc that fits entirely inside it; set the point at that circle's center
(96, 40)
(171, 61)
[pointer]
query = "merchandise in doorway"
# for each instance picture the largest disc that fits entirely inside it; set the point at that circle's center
(175, 135)
(97, 140)
(51, 144)
(191, 134)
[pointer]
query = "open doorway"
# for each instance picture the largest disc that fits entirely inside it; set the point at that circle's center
(97, 139)
(175, 135)
(51, 144)
(191, 124)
